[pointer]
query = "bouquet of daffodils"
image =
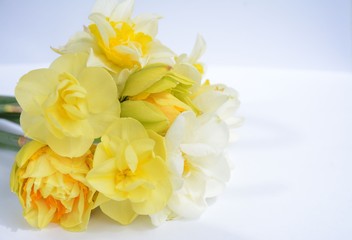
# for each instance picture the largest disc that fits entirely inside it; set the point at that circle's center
(121, 123)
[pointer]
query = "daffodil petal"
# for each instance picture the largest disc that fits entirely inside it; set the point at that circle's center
(123, 11)
(105, 29)
(71, 147)
(79, 42)
(102, 178)
(120, 211)
(34, 87)
(70, 63)
(97, 59)
(198, 49)
(104, 6)
(98, 90)
(147, 24)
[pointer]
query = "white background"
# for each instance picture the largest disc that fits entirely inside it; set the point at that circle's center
(294, 34)
(291, 62)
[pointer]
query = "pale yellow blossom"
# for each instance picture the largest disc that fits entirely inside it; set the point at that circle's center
(67, 105)
(130, 172)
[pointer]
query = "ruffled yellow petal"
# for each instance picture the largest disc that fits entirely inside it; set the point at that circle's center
(155, 172)
(98, 92)
(52, 188)
(127, 129)
(128, 168)
(70, 63)
(102, 178)
(34, 87)
(120, 211)
(68, 105)
(159, 147)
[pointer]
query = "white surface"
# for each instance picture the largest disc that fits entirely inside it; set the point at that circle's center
(292, 176)
(295, 34)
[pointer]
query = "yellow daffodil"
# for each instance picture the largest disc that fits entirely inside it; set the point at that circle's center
(116, 41)
(156, 95)
(67, 105)
(130, 172)
(52, 188)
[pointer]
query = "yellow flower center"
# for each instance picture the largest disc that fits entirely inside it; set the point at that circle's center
(187, 167)
(67, 103)
(199, 67)
(71, 97)
(125, 38)
(122, 175)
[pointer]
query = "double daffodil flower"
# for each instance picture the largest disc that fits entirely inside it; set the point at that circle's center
(68, 105)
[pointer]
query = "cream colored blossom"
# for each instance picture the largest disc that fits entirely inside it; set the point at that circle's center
(117, 41)
(52, 188)
(67, 105)
(195, 148)
(220, 100)
(189, 65)
(130, 172)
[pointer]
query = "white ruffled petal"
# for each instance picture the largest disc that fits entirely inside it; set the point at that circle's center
(198, 49)
(213, 132)
(189, 202)
(105, 29)
(79, 42)
(123, 11)
(104, 6)
(197, 149)
(160, 217)
(147, 24)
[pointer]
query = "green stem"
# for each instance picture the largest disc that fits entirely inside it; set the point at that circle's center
(11, 117)
(7, 99)
(13, 141)
(10, 108)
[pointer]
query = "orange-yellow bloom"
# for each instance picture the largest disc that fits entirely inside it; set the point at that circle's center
(52, 188)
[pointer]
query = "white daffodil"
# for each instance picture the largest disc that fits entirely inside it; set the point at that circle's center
(195, 154)
(116, 41)
(220, 100)
(189, 65)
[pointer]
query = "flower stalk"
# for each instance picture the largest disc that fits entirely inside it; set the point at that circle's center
(7, 99)
(12, 141)
(10, 109)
